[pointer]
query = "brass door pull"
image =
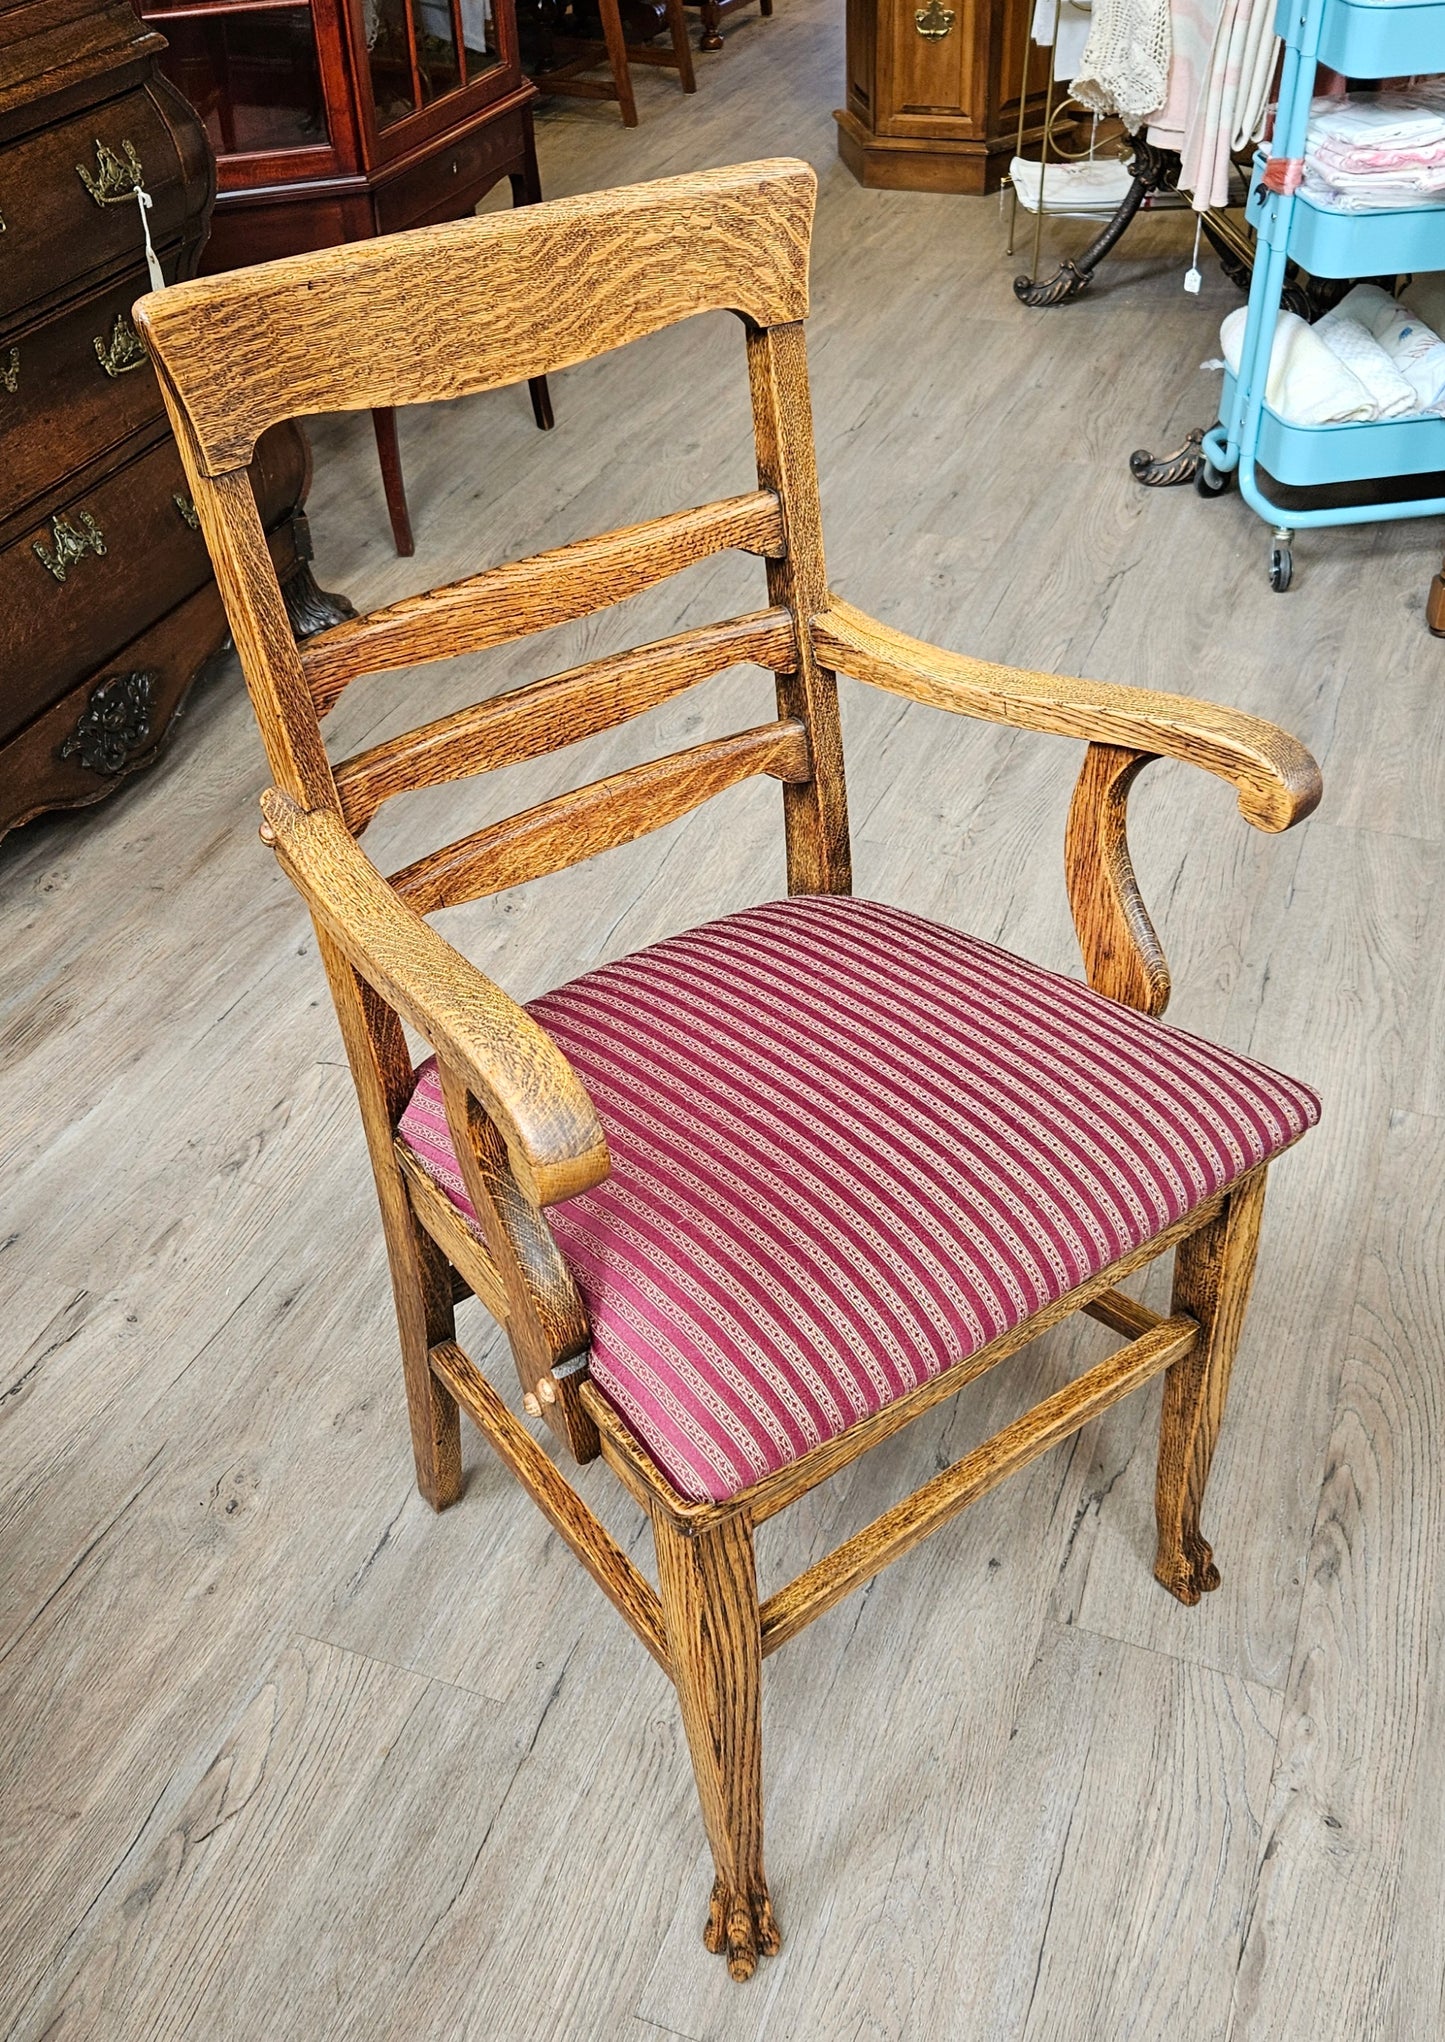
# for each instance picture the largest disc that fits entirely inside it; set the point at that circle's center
(125, 351)
(73, 539)
(112, 181)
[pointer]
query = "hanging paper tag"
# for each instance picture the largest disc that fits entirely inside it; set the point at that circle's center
(145, 202)
(1193, 281)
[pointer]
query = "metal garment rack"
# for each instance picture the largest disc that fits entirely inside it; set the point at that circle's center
(1359, 39)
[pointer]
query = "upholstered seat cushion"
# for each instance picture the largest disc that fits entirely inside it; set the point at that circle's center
(849, 1148)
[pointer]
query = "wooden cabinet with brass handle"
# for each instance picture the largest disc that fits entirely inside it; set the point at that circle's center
(107, 606)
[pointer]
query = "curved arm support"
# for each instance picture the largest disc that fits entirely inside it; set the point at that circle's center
(1275, 778)
(1122, 954)
(515, 1071)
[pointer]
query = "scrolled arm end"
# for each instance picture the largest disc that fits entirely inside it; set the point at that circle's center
(1276, 780)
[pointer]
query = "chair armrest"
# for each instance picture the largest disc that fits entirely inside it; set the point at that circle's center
(511, 1066)
(1277, 780)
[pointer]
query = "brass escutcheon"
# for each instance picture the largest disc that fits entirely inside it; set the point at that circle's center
(126, 350)
(73, 540)
(112, 180)
(933, 21)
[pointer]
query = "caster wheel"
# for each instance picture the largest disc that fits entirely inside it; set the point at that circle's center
(1209, 481)
(1281, 568)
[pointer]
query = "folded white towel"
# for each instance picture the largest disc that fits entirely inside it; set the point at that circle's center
(1307, 385)
(1100, 186)
(1414, 347)
(1354, 344)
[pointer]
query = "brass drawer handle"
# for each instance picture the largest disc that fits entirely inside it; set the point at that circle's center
(73, 540)
(112, 181)
(126, 351)
(933, 21)
(188, 513)
(10, 371)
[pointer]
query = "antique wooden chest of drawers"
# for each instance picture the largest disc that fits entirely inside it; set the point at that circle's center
(107, 606)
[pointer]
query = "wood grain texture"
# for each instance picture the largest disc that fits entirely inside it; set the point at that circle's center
(1277, 781)
(815, 812)
(511, 1066)
(478, 303)
(436, 1213)
(504, 603)
(546, 1320)
(630, 1594)
(918, 1516)
(1213, 1276)
(709, 1589)
(526, 722)
(1348, 1867)
(610, 812)
(1123, 956)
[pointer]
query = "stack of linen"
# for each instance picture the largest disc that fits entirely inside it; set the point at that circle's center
(1369, 359)
(1378, 151)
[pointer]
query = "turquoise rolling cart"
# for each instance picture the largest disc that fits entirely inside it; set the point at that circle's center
(1361, 39)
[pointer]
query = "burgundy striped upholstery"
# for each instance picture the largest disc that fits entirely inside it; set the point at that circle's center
(850, 1147)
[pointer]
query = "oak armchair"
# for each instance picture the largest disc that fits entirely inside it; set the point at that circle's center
(752, 1199)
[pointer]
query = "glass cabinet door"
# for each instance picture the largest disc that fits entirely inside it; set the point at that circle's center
(419, 51)
(250, 70)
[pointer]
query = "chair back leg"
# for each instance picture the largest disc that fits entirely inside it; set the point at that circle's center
(616, 43)
(709, 1589)
(681, 47)
(1213, 1275)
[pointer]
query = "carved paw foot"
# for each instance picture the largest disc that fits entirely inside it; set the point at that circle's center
(1189, 1573)
(739, 1926)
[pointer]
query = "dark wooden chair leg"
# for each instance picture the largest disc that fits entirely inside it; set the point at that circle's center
(392, 481)
(1435, 604)
(526, 186)
(1213, 1274)
(617, 58)
(711, 38)
(709, 1590)
(681, 47)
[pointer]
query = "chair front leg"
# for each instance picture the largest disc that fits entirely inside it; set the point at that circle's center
(1213, 1275)
(709, 1589)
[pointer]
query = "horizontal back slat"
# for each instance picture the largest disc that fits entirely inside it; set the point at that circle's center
(469, 306)
(506, 603)
(562, 710)
(598, 817)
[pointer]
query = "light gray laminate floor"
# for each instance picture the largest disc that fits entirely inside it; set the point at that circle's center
(285, 1755)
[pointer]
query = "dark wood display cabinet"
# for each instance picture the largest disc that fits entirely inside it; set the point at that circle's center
(334, 120)
(108, 609)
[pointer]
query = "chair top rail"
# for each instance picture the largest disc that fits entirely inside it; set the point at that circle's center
(548, 715)
(444, 311)
(503, 604)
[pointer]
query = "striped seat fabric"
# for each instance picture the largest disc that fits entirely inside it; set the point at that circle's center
(849, 1148)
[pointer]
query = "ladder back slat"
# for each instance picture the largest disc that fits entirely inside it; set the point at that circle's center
(524, 596)
(562, 710)
(598, 817)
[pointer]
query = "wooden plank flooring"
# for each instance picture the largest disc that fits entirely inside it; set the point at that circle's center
(287, 1755)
